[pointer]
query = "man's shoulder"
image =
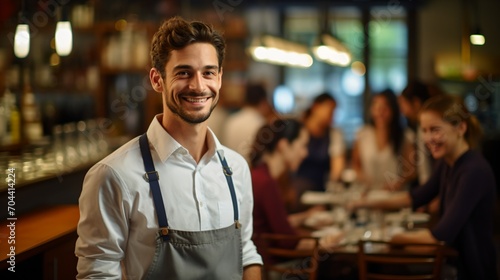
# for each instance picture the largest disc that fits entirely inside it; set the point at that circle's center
(126, 153)
(233, 158)
(232, 155)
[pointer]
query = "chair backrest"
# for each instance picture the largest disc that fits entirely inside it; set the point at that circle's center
(288, 262)
(386, 260)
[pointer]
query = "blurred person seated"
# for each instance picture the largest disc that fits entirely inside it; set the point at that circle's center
(279, 148)
(463, 181)
(382, 149)
(326, 158)
(240, 127)
(410, 101)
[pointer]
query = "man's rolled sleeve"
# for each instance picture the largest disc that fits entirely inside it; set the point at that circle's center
(103, 227)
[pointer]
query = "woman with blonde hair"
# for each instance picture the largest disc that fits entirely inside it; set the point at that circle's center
(465, 184)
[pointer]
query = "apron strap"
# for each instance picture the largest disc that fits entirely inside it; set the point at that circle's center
(152, 177)
(228, 172)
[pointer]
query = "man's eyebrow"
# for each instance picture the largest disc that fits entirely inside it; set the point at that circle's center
(212, 67)
(183, 67)
(189, 67)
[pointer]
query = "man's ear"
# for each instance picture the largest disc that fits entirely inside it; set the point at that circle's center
(156, 80)
(220, 78)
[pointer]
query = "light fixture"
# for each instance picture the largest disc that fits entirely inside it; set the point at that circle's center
(332, 51)
(64, 35)
(22, 40)
(274, 50)
(22, 36)
(64, 38)
(327, 48)
(476, 38)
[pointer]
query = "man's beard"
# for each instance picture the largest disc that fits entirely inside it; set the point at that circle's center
(185, 116)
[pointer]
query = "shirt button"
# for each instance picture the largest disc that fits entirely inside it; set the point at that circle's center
(201, 204)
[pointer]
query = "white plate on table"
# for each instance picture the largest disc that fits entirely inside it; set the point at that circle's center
(319, 219)
(331, 230)
(316, 198)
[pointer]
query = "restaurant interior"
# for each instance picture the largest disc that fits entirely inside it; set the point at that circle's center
(74, 86)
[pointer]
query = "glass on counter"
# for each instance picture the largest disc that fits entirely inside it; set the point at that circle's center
(71, 146)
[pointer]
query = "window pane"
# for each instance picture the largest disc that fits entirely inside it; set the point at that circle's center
(388, 53)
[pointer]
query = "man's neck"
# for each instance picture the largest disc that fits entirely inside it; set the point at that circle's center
(193, 137)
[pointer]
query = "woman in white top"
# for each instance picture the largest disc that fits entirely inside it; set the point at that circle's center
(383, 148)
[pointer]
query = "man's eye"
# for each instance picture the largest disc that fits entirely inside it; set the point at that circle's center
(182, 73)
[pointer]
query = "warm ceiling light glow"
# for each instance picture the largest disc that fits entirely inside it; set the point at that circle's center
(358, 68)
(279, 51)
(54, 59)
(331, 51)
(477, 39)
(64, 38)
(22, 41)
(121, 25)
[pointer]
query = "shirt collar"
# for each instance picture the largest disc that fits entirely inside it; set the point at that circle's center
(165, 145)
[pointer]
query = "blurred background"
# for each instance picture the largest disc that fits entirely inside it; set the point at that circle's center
(95, 79)
(74, 74)
(105, 74)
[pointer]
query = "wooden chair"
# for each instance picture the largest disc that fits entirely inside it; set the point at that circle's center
(391, 261)
(288, 262)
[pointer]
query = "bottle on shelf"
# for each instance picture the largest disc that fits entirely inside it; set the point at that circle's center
(11, 120)
(32, 124)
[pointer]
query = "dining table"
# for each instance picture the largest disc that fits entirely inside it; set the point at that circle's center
(340, 260)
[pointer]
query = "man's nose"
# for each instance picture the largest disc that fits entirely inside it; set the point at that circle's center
(196, 83)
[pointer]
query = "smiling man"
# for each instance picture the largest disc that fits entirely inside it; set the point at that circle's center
(173, 203)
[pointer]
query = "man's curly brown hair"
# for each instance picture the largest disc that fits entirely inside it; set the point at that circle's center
(177, 33)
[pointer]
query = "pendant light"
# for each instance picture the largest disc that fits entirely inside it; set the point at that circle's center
(328, 48)
(64, 35)
(275, 50)
(272, 49)
(476, 37)
(22, 36)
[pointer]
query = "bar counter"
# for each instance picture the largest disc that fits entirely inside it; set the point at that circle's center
(40, 216)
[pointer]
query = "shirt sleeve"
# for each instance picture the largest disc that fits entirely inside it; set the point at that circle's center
(337, 143)
(469, 191)
(425, 193)
(250, 255)
(103, 226)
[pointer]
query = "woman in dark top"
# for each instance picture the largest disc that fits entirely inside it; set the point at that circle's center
(325, 160)
(279, 148)
(465, 184)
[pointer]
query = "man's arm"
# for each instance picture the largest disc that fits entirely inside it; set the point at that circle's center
(100, 215)
(252, 272)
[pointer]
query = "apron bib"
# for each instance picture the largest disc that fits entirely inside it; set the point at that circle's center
(210, 254)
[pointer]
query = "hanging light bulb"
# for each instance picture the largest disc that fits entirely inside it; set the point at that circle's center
(477, 38)
(22, 40)
(64, 38)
